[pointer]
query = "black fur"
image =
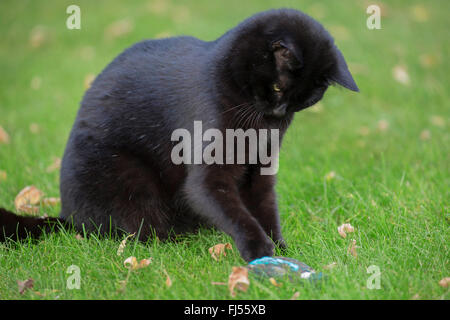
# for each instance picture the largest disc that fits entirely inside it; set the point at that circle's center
(117, 167)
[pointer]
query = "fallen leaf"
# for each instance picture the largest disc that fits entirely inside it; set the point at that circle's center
(132, 264)
(55, 165)
(50, 202)
(25, 285)
(425, 135)
(119, 28)
(400, 74)
(317, 10)
(383, 125)
(428, 60)
(238, 280)
(29, 209)
(3, 175)
(163, 34)
(123, 244)
(158, 6)
(415, 297)
(144, 263)
(168, 280)
(419, 13)
(28, 196)
(343, 229)
(331, 266)
(295, 296)
(4, 136)
(340, 32)
(38, 36)
(445, 282)
(274, 282)
(88, 79)
(437, 121)
(219, 249)
(79, 236)
(34, 128)
(317, 108)
(330, 175)
(352, 248)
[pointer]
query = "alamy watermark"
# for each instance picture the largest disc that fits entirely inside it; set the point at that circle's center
(374, 20)
(374, 281)
(74, 280)
(211, 147)
(74, 20)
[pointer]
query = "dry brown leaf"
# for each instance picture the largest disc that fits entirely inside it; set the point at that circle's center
(274, 282)
(38, 36)
(383, 125)
(415, 297)
(79, 236)
(25, 285)
(343, 229)
(425, 135)
(50, 202)
(163, 34)
(119, 28)
(429, 60)
(132, 264)
(219, 249)
(158, 6)
(331, 266)
(28, 196)
(352, 248)
(168, 280)
(437, 121)
(4, 136)
(401, 74)
(3, 175)
(29, 209)
(419, 13)
(330, 175)
(123, 244)
(295, 296)
(55, 165)
(34, 128)
(238, 280)
(340, 32)
(88, 79)
(445, 282)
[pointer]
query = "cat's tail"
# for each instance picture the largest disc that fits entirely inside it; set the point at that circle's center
(16, 227)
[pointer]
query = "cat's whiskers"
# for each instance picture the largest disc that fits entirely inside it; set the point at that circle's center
(232, 108)
(244, 116)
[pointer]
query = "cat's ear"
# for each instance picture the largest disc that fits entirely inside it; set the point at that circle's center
(286, 55)
(341, 74)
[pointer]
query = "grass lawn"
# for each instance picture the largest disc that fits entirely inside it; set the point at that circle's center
(378, 159)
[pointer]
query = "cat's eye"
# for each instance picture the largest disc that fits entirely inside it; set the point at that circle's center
(276, 87)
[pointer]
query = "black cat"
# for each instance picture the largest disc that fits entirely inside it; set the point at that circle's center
(117, 169)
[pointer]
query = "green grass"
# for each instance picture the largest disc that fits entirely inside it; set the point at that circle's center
(391, 185)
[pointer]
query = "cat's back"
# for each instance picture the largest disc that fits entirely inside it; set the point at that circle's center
(157, 61)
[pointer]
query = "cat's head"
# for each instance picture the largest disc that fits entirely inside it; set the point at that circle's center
(283, 61)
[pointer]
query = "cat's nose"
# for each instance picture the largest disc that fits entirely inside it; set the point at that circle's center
(280, 111)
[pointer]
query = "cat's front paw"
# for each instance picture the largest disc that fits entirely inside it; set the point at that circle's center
(256, 248)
